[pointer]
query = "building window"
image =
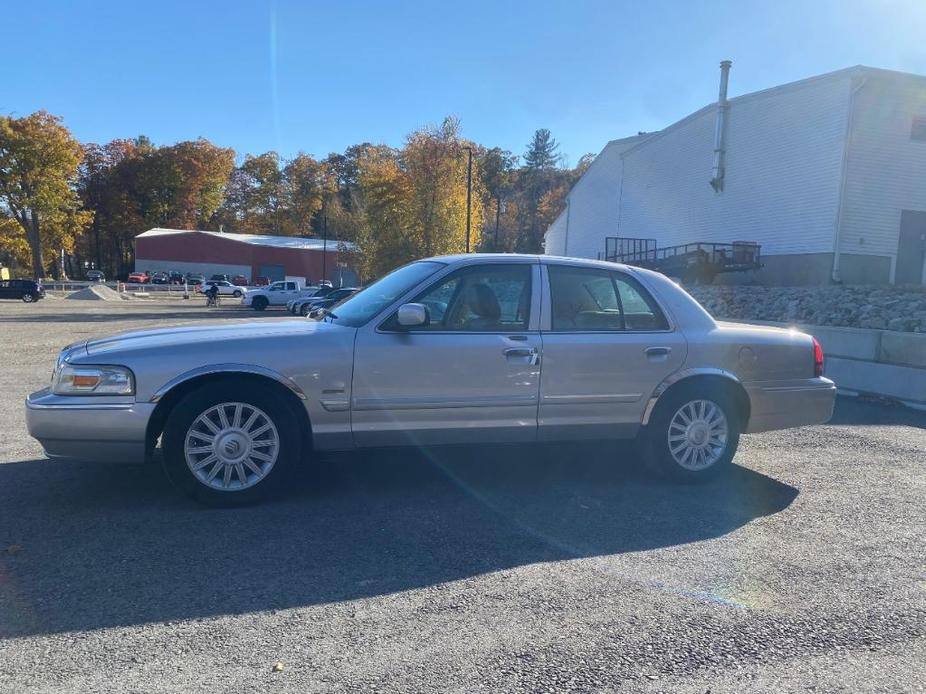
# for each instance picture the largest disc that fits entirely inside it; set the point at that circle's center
(918, 131)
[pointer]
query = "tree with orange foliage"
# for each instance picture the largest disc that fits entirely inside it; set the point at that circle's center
(39, 159)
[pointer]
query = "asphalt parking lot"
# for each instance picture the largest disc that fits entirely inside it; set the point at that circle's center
(505, 569)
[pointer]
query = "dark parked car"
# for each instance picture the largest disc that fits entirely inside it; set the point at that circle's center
(24, 290)
(176, 277)
(95, 276)
(160, 278)
(313, 309)
(240, 281)
(219, 278)
(194, 279)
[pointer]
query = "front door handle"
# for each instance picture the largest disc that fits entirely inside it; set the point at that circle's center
(523, 353)
(657, 351)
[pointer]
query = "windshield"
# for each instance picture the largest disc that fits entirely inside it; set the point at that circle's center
(365, 304)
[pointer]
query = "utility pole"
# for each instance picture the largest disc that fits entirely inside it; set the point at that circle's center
(325, 245)
(469, 193)
(498, 215)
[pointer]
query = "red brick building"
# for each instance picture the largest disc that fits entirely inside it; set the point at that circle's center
(251, 255)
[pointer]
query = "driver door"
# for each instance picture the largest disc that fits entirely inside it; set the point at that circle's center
(471, 374)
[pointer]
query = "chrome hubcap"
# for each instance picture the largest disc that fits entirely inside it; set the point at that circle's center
(698, 434)
(231, 446)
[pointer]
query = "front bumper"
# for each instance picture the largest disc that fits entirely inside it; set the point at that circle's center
(89, 428)
(787, 404)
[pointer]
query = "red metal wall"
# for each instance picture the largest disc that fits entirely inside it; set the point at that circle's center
(207, 248)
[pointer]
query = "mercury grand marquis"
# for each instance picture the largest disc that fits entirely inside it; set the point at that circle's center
(488, 348)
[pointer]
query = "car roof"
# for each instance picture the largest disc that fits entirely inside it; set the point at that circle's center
(525, 258)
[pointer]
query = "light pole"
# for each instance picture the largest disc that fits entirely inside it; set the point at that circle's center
(499, 208)
(469, 193)
(324, 242)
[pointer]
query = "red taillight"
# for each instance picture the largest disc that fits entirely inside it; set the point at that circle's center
(817, 358)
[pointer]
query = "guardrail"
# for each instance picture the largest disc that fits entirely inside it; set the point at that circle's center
(73, 286)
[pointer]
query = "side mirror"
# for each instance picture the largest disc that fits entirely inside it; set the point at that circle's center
(413, 315)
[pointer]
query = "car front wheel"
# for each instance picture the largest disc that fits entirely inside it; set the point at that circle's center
(259, 303)
(28, 298)
(693, 435)
(237, 294)
(225, 445)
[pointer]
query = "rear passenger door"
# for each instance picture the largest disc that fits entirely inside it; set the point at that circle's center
(607, 345)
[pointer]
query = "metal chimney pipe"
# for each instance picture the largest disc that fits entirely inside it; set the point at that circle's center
(720, 128)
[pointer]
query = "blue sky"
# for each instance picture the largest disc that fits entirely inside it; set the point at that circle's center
(318, 77)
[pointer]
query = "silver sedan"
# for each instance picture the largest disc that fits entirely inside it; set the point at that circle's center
(457, 349)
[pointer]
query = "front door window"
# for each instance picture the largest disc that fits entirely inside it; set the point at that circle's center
(483, 298)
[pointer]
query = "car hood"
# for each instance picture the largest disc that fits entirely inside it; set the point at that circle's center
(217, 334)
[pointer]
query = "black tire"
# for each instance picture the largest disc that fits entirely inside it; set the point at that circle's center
(655, 438)
(259, 303)
(305, 310)
(237, 293)
(28, 298)
(185, 414)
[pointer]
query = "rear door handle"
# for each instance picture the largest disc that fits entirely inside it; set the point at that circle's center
(523, 353)
(657, 351)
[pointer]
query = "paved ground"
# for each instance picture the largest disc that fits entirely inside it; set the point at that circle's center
(507, 569)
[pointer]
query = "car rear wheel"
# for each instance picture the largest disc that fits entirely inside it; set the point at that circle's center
(693, 434)
(259, 303)
(225, 445)
(28, 297)
(237, 294)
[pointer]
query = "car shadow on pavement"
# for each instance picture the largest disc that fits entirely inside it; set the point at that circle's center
(92, 546)
(871, 411)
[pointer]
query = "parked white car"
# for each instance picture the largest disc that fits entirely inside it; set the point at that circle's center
(486, 348)
(274, 294)
(225, 288)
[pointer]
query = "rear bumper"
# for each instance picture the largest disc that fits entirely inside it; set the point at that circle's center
(786, 404)
(88, 429)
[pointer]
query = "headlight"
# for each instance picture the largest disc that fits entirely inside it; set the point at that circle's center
(93, 380)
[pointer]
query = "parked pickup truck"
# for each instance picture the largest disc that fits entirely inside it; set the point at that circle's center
(275, 294)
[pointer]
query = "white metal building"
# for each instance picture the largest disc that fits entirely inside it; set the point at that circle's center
(828, 174)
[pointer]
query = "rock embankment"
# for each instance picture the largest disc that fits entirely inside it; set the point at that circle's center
(881, 308)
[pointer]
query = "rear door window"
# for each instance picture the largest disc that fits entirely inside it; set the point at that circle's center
(588, 299)
(583, 299)
(641, 312)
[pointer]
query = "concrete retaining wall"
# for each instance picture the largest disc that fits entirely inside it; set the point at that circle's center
(875, 362)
